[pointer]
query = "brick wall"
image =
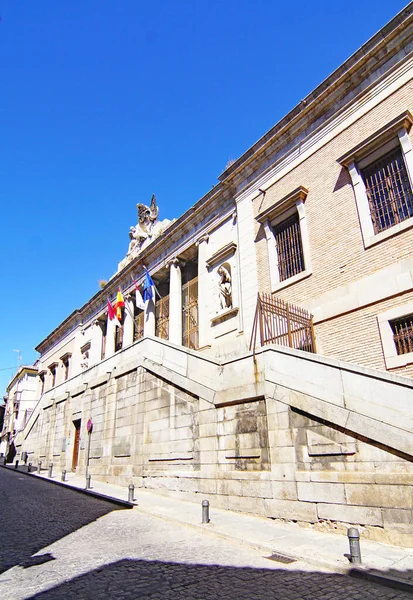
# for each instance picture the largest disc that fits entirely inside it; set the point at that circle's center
(337, 252)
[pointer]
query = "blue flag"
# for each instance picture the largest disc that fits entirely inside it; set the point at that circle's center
(147, 287)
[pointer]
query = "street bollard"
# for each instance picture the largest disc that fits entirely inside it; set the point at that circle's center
(50, 469)
(64, 475)
(16, 466)
(131, 490)
(5, 461)
(205, 511)
(354, 541)
(88, 485)
(29, 468)
(39, 466)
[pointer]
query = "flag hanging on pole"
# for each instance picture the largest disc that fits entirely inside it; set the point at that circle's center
(119, 304)
(148, 284)
(112, 314)
(139, 300)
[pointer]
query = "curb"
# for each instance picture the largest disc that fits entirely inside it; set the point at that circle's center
(377, 577)
(365, 574)
(371, 575)
(98, 495)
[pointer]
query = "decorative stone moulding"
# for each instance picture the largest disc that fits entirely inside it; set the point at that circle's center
(380, 137)
(223, 316)
(280, 206)
(223, 253)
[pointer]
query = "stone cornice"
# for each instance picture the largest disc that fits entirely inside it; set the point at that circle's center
(357, 68)
(224, 252)
(284, 203)
(403, 121)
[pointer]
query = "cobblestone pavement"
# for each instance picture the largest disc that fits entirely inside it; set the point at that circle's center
(57, 544)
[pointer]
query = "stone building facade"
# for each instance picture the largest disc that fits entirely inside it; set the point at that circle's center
(20, 400)
(318, 213)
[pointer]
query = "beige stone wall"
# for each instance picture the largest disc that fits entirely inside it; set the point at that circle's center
(337, 253)
(260, 455)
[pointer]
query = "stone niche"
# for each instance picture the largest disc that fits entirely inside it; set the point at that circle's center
(222, 269)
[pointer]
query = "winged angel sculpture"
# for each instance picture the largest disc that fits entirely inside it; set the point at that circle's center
(145, 228)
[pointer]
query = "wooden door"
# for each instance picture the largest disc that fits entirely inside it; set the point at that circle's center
(76, 444)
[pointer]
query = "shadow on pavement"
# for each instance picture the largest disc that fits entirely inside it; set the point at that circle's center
(138, 579)
(35, 513)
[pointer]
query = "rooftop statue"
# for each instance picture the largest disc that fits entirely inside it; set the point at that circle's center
(145, 231)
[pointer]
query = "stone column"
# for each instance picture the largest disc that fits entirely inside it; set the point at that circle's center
(175, 302)
(149, 318)
(128, 323)
(110, 338)
(203, 292)
(95, 344)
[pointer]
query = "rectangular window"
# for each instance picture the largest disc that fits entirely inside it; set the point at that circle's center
(162, 318)
(53, 374)
(403, 334)
(289, 247)
(138, 324)
(388, 191)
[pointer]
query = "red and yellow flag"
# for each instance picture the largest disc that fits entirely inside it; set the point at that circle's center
(119, 304)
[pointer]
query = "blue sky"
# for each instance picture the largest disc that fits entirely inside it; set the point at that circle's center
(104, 102)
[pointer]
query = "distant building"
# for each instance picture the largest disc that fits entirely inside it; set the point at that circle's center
(20, 400)
(223, 385)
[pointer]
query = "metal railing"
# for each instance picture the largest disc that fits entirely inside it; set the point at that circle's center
(278, 322)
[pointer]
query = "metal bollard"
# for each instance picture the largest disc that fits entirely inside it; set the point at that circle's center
(131, 490)
(29, 468)
(5, 461)
(205, 511)
(16, 466)
(39, 466)
(354, 541)
(88, 485)
(64, 475)
(50, 469)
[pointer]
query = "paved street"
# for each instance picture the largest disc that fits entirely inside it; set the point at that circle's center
(56, 543)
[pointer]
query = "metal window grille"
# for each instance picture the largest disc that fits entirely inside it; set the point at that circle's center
(139, 326)
(162, 318)
(289, 247)
(278, 322)
(403, 334)
(190, 330)
(388, 191)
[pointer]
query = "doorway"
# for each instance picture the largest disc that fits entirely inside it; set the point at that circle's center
(76, 443)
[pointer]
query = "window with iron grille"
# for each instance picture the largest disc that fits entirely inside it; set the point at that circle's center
(388, 191)
(403, 334)
(289, 247)
(138, 330)
(162, 318)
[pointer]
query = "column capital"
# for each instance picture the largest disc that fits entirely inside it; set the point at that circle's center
(175, 262)
(202, 238)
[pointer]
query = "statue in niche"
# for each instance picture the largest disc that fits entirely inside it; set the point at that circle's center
(85, 359)
(225, 287)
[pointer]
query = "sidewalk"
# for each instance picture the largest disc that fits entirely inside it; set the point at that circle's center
(383, 563)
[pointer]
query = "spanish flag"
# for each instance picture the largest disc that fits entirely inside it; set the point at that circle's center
(119, 304)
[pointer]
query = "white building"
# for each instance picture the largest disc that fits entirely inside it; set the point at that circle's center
(20, 400)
